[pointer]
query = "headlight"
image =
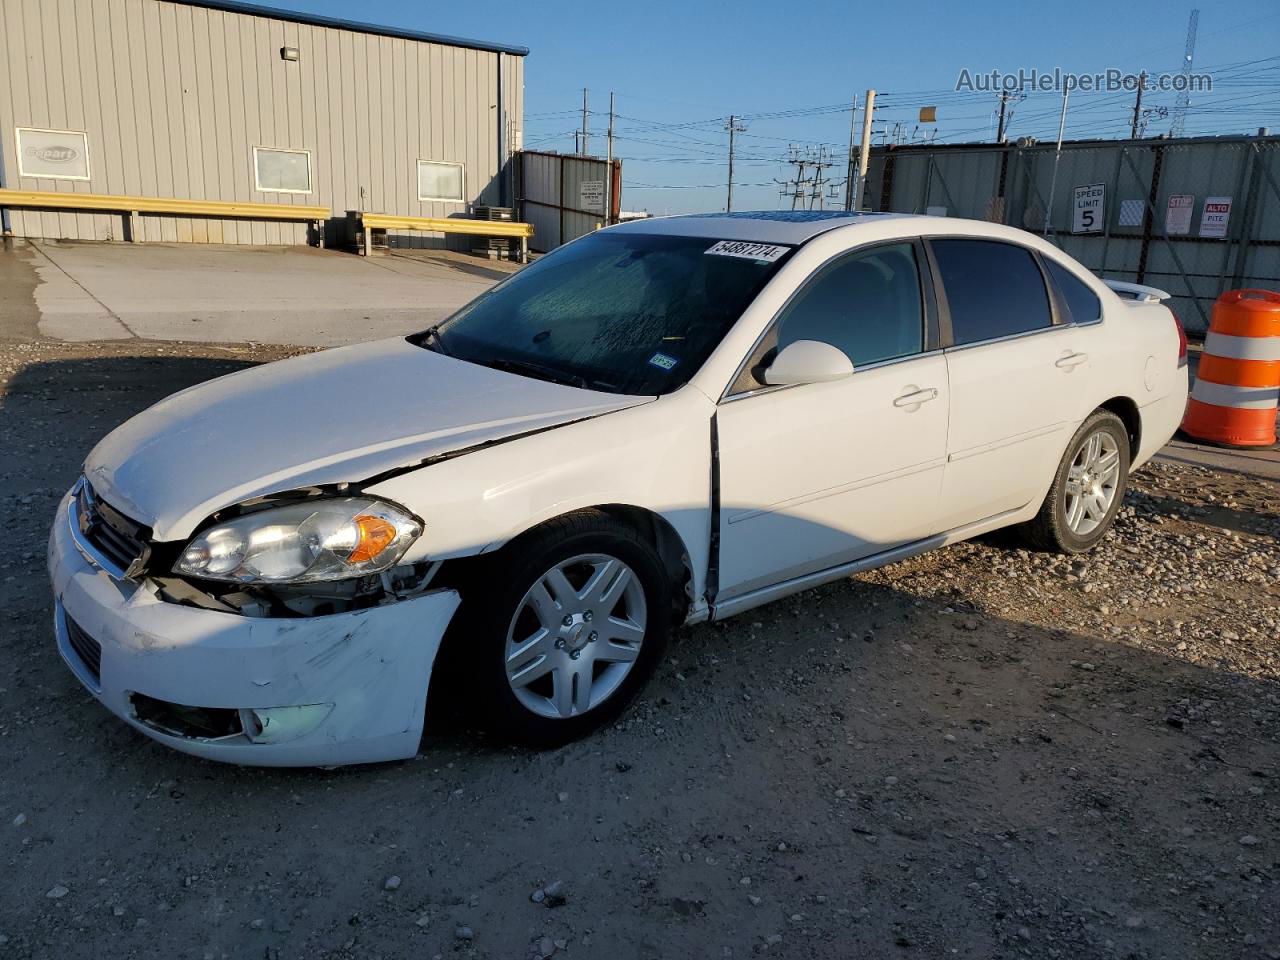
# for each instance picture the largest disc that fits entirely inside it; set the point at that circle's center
(304, 542)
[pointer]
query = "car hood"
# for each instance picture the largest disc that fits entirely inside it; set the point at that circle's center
(341, 415)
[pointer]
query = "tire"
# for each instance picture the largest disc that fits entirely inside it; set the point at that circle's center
(499, 618)
(1057, 527)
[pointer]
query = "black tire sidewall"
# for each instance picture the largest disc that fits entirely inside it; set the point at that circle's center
(487, 618)
(1112, 424)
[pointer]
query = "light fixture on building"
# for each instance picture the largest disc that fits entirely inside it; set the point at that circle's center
(288, 53)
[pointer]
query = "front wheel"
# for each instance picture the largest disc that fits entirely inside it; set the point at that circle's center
(1087, 489)
(564, 626)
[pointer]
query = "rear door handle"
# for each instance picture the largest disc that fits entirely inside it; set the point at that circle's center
(916, 397)
(1070, 360)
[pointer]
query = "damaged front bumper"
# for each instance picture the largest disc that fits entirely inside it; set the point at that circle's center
(306, 691)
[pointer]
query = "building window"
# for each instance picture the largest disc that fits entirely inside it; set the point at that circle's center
(439, 181)
(56, 154)
(281, 171)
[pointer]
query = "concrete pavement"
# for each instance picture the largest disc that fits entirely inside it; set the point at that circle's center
(229, 294)
(1261, 462)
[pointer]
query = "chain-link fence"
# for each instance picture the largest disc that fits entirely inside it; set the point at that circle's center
(1194, 217)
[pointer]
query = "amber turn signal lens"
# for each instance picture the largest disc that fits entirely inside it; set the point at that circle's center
(373, 535)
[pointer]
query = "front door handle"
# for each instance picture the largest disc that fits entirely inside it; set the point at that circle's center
(1070, 360)
(916, 397)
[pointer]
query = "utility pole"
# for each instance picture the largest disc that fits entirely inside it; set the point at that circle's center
(608, 193)
(848, 174)
(1006, 97)
(584, 120)
(1137, 107)
(864, 153)
(807, 191)
(795, 189)
(823, 162)
(1184, 95)
(733, 126)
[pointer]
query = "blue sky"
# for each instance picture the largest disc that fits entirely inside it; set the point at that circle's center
(679, 68)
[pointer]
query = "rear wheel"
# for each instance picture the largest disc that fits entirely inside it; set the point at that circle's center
(564, 626)
(1087, 489)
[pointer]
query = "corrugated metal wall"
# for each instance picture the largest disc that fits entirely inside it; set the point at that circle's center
(966, 181)
(174, 98)
(550, 190)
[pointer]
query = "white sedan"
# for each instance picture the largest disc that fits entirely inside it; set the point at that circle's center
(664, 422)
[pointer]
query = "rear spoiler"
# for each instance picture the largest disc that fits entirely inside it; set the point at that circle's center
(1136, 291)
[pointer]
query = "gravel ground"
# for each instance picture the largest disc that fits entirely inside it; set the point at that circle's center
(983, 752)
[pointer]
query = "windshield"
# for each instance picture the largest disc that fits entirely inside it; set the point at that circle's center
(615, 311)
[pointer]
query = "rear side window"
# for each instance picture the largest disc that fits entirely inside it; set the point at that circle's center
(1081, 301)
(993, 289)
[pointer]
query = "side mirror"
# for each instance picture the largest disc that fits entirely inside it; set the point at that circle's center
(808, 361)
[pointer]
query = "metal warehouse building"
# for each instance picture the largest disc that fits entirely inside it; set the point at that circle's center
(215, 100)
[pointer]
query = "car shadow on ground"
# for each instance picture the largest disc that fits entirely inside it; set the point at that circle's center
(861, 770)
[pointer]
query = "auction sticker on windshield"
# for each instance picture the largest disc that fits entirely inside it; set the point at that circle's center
(765, 252)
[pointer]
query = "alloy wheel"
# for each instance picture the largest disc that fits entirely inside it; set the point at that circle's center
(1092, 481)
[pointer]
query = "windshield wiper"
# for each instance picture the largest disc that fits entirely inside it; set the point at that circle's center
(533, 369)
(432, 332)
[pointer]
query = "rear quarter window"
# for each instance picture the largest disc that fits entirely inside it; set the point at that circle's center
(1083, 303)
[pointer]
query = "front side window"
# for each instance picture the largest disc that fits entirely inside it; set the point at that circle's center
(867, 304)
(631, 313)
(281, 171)
(993, 289)
(439, 181)
(1083, 303)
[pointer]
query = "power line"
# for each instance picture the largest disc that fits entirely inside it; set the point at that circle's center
(1242, 90)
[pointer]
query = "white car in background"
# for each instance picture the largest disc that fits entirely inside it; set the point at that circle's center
(665, 422)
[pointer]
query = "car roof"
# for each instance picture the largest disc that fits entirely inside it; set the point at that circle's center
(761, 226)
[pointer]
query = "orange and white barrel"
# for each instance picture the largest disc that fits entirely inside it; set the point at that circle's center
(1238, 380)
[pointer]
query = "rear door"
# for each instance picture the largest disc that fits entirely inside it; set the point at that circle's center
(1013, 363)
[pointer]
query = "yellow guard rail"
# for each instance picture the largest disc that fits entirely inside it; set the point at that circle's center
(475, 228)
(133, 206)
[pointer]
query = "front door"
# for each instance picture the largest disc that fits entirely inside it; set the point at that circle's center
(818, 474)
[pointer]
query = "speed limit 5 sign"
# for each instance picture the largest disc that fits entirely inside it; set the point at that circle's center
(1088, 208)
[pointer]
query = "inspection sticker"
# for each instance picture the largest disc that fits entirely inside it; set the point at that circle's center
(663, 361)
(747, 251)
